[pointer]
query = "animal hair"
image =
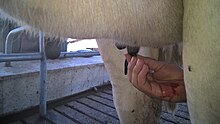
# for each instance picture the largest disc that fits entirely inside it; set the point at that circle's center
(153, 23)
(135, 22)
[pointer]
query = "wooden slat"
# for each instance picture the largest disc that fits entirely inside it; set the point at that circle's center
(104, 95)
(35, 119)
(183, 104)
(102, 100)
(82, 118)
(182, 115)
(57, 118)
(107, 91)
(16, 122)
(162, 121)
(182, 108)
(175, 119)
(93, 113)
(100, 107)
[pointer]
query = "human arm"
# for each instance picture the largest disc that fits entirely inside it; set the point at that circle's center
(156, 78)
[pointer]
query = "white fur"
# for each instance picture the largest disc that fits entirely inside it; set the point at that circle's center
(134, 22)
(201, 52)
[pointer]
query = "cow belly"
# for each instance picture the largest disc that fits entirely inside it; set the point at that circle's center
(133, 106)
(134, 22)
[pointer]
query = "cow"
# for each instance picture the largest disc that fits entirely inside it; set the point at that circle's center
(142, 23)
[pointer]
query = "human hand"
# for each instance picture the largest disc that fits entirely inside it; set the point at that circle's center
(156, 78)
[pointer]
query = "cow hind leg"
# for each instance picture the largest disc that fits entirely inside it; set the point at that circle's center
(133, 107)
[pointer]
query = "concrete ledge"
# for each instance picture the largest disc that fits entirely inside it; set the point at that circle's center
(19, 84)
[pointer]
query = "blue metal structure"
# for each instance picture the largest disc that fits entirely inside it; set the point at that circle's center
(9, 56)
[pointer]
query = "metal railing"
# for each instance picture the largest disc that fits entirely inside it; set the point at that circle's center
(9, 41)
(9, 56)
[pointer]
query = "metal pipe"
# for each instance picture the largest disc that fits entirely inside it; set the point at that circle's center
(78, 54)
(19, 54)
(9, 42)
(43, 77)
(38, 56)
(19, 57)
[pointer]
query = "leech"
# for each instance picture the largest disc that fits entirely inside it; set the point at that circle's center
(126, 67)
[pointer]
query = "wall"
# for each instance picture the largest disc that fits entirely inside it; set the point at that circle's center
(19, 84)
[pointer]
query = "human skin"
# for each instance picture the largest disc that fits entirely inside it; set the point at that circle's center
(156, 78)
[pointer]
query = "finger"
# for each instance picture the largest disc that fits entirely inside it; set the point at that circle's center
(142, 76)
(136, 71)
(131, 65)
(128, 57)
(152, 63)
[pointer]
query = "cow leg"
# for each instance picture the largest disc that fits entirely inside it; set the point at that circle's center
(133, 106)
(201, 51)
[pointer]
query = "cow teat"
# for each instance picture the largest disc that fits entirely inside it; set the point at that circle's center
(120, 46)
(132, 50)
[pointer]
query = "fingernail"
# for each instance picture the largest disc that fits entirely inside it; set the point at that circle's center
(127, 57)
(133, 59)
